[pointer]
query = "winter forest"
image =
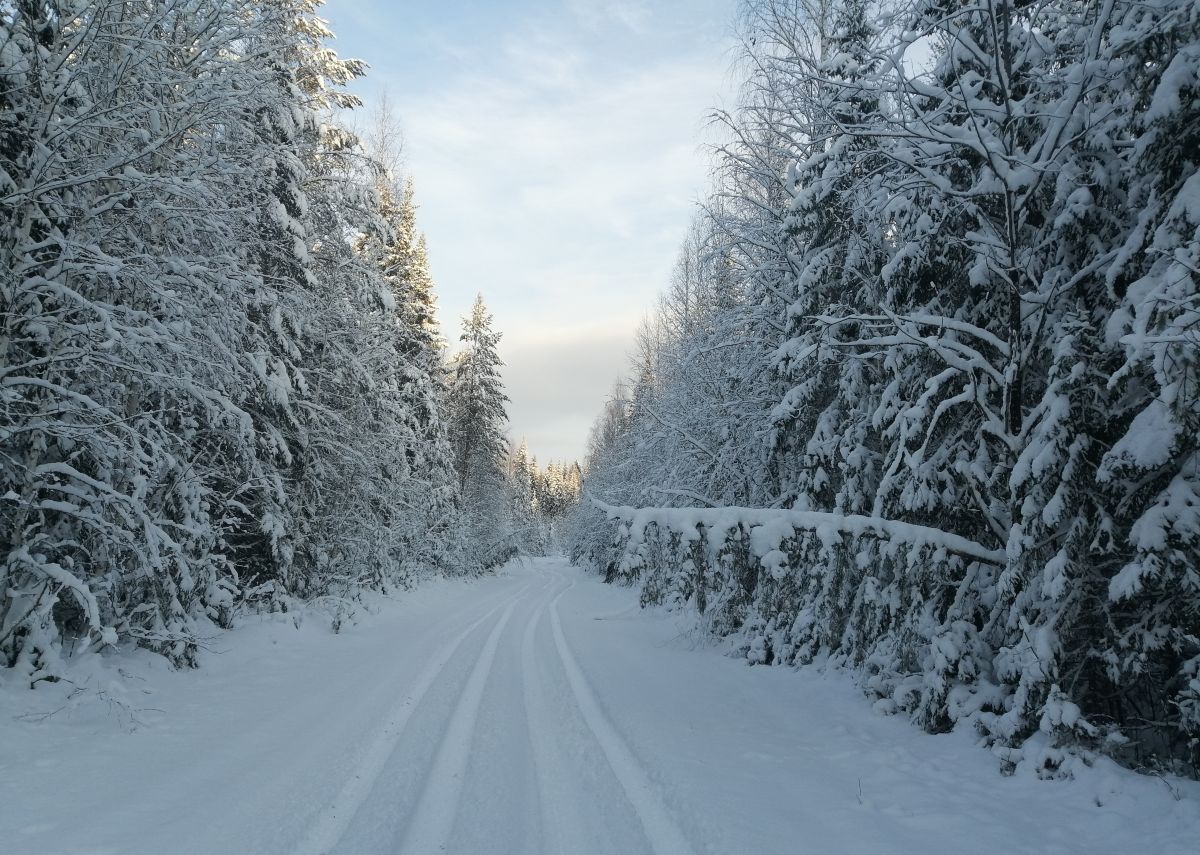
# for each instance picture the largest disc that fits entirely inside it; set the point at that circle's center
(918, 409)
(224, 381)
(921, 398)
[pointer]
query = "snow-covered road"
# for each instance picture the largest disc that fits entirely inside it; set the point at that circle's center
(535, 712)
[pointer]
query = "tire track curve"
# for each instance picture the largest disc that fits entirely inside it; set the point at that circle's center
(661, 830)
(556, 834)
(433, 819)
(324, 834)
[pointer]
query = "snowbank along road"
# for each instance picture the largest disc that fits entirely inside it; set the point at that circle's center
(535, 712)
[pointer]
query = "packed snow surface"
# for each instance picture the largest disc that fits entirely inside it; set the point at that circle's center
(538, 711)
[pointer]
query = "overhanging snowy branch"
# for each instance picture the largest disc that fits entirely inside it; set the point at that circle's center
(687, 520)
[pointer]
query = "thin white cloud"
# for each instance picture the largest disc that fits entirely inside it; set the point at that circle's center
(634, 16)
(537, 60)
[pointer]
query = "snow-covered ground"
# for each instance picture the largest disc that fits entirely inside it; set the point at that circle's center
(535, 712)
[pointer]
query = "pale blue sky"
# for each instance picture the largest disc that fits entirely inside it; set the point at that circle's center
(557, 152)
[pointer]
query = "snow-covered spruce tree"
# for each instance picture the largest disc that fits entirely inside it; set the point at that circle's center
(529, 530)
(945, 331)
(1028, 129)
(362, 415)
(556, 491)
(1151, 473)
(591, 539)
(825, 450)
(558, 486)
(354, 464)
(476, 424)
(274, 137)
(414, 369)
(824, 443)
(408, 263)
(975, 203)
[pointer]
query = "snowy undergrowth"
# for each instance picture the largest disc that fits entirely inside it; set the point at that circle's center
(117, 687)
(1085, 779)
(906, 607)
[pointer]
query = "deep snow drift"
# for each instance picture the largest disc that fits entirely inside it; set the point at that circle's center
(537, 711)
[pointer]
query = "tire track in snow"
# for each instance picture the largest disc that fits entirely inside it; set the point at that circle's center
(660, 828)
(433, 820)
(556, 836)
(330, 826)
